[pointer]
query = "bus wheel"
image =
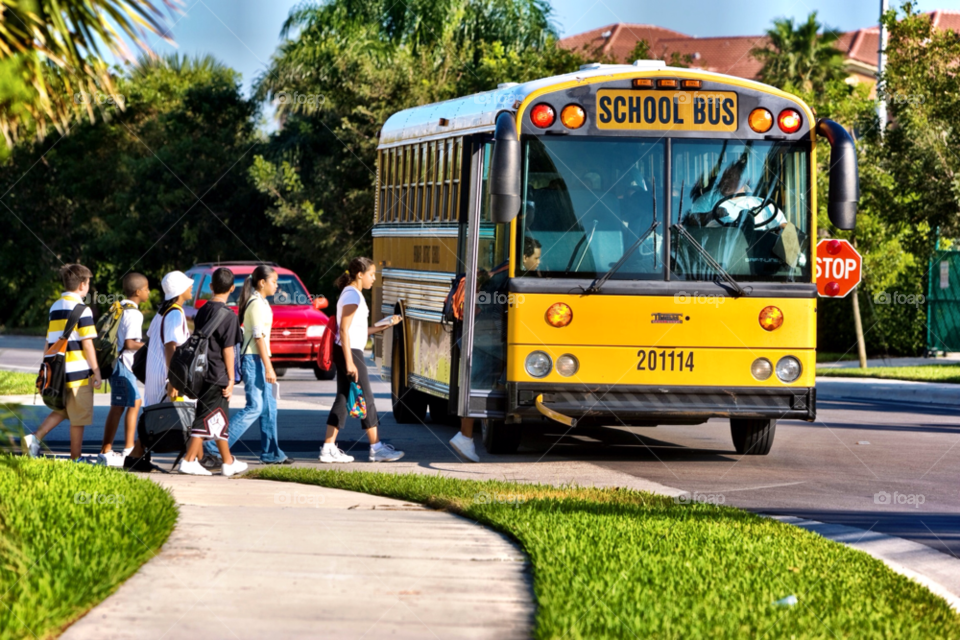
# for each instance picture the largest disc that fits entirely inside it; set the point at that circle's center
(499, 437)
(324, 374)
(409, 405)
(439, 413)
(752, 437)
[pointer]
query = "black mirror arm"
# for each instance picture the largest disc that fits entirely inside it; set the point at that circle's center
(844, 176)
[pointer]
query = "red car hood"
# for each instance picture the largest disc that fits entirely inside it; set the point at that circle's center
(297, 316)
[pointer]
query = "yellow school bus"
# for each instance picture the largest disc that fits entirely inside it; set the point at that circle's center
(635, 244)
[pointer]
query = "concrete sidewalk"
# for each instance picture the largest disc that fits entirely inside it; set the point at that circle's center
(874, 363)
(883, 390)
(260, 559)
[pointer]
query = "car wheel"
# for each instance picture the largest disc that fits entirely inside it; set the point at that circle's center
(499, 437)
(409, 405)
(752, 437)
(323, 374)
(280, 371)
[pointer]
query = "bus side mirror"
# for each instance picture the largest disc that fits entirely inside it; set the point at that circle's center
(844, 178)
(505, 170)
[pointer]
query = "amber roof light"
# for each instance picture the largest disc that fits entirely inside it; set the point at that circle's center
(573, 116)
(760, 120)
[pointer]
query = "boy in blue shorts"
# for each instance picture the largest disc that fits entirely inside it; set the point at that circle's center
(124, 395)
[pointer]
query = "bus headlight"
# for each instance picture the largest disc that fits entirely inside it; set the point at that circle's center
(538, 364)
(761, 369)
(788, 369)
(567, 365)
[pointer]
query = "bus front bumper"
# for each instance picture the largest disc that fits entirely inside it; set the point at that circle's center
(651, 405)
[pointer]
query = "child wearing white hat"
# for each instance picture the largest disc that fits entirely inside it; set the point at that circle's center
(168, 330)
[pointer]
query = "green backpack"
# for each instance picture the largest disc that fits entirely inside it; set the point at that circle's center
(105, 344)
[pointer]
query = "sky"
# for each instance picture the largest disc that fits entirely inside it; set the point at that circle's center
(244, 33)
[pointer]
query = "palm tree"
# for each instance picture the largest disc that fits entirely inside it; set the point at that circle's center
(800, 57)
(51, 55)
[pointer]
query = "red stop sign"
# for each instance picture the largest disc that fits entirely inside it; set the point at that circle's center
(839, 268)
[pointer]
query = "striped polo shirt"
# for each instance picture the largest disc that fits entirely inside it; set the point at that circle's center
(77, 370)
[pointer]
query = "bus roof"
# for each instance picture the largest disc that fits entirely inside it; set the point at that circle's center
(478, 112)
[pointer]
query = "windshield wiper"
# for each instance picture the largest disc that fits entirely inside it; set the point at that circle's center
(595, 287)
(709, 259)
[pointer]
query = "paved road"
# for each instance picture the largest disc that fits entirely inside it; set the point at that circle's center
(850, 467)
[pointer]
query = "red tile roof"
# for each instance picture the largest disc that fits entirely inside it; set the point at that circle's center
(729, 55)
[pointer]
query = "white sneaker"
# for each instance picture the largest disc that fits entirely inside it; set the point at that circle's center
(127, 451)
(30, 446)
(465, 447)
(110, 459)
(238, 466)
(386, 453)
(332, 453)
(193, 469)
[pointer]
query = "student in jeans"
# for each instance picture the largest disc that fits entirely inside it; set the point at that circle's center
(258, 374)
(80, 366)
(353, 319)
(124, 395)
(212, 420)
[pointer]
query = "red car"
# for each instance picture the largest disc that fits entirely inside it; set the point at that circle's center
(298, 322)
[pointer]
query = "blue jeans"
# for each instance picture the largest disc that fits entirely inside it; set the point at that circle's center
(260, 404)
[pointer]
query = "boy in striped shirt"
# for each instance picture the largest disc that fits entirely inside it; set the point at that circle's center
(81, 362)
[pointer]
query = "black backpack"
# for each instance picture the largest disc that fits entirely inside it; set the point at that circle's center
(190, 361)
(52, 379)
(139, 368)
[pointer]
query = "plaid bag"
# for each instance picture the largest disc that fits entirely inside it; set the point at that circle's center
(355, 402)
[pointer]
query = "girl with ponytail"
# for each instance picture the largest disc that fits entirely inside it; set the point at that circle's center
(257, 370)
(353, 320)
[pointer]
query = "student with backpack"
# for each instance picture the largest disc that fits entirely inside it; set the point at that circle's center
(216, 322)
(124, 395)
(257, 370)
(168, 330)
(353, 318)
(68, 379)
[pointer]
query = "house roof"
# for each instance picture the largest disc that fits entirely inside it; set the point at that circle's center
(727, 55)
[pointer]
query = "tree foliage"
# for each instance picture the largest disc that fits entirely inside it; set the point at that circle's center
(801, 57)
(151, 189)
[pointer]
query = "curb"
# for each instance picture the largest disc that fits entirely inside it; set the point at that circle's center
(893, 551)
(897, 391)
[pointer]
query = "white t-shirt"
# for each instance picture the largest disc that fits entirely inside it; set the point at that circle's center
(131, 328)
(361, 317)
(174, 330)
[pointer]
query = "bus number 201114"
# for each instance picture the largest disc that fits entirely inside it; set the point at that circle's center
(664, 360)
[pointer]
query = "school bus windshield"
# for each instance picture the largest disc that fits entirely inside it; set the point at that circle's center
(589, 199)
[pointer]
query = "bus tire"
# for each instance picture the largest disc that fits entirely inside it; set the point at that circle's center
(325, 374)
(752, 436)
(499, 437)
(439, 412)
(409, 405)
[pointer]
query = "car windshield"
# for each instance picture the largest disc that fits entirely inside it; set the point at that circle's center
(746, 204)
(587, 201)
(289, 292)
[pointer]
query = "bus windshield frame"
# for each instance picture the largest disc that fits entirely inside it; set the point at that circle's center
(747, 203)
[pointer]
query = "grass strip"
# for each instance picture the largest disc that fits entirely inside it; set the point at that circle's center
(614, 563)
(70, 534)
(17, 383)
(923, 373)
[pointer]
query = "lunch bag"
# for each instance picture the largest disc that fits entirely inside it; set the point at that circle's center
(355, 402)
(52, 378)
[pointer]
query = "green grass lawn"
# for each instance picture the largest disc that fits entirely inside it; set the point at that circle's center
(610, 563)
(827, 356)
(15, 383)
(924, 373)
(65, 541)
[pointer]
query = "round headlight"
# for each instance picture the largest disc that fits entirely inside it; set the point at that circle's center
(788, 369)
(567, 365)
(538, 364)
(761, 369)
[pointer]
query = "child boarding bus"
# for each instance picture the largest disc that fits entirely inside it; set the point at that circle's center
(635, 242)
